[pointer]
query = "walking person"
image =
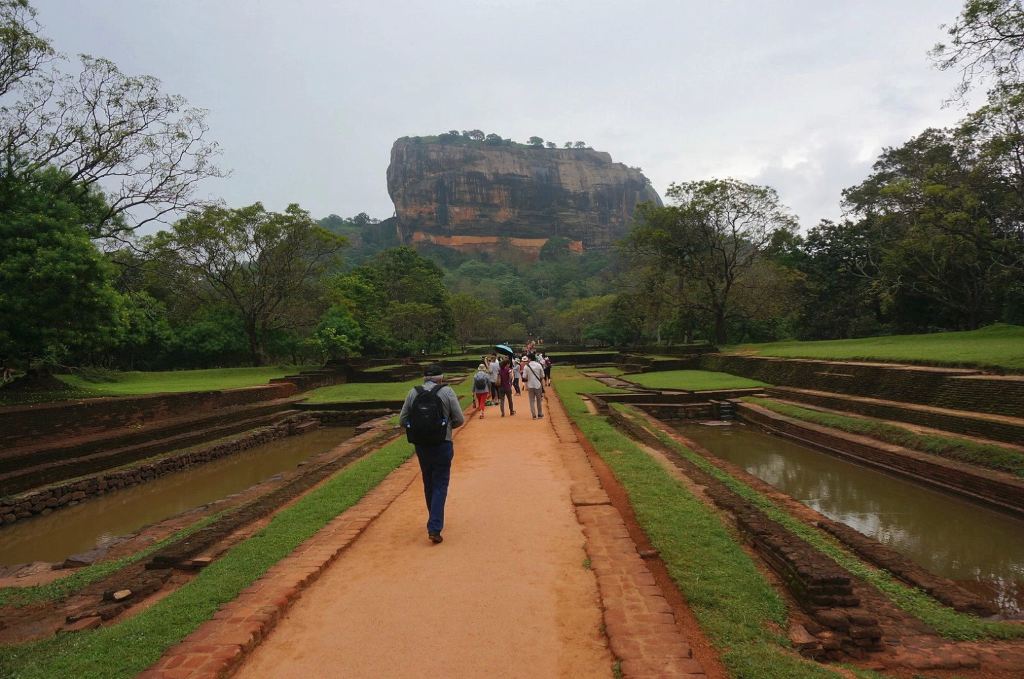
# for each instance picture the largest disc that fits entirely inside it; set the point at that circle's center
(429, 414)
(547, 369)
(494, 368)
(481, 387)
(517, 374)
(535, 387)
(505, 387)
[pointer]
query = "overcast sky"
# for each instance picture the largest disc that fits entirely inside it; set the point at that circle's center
(306, 96)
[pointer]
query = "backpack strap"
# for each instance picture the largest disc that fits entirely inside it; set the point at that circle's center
(419, 390)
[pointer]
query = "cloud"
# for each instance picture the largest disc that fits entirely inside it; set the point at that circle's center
(306, 97)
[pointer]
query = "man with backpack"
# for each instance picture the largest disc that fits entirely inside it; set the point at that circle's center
(429, 414)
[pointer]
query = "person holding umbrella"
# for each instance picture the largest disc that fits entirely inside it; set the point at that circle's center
(505, 386)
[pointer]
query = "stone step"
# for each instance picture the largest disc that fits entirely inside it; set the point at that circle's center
(53, 472)
(988, 426)
(24, 457)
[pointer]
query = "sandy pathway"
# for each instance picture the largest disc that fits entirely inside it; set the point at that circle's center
(505, 595)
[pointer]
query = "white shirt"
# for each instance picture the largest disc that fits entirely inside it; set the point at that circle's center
(534, 375)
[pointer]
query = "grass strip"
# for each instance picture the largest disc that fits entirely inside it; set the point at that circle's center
(375, 391)
(996, 346)
(126, 649)
(116, 383)
(83, 577)
(737, 608)
(945, 621)
(950, 447)
(693, 380)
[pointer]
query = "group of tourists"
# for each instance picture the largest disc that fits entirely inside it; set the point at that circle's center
(497, 378)
(432, 410)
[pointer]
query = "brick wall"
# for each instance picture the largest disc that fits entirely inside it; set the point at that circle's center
(998, 430)
(18, 507)
(946, 388)
(991, 487)
(37, 424)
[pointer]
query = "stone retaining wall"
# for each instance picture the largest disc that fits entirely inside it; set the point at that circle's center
(958, 389)
(681, 411)
(994, 488)
(42, 502)
(997, 430)
(942, 589)
(36, 424)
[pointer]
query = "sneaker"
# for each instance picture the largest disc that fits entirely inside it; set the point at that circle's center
(540, 417)
(435, 537)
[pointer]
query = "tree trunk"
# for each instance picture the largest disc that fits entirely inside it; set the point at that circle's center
(255, 350)
(721, 334)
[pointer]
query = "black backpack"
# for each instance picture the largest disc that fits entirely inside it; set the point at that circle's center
(427, 424)
(480, 384)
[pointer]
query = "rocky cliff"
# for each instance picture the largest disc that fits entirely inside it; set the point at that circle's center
(469, 195)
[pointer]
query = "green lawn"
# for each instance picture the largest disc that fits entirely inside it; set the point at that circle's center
(997, 345)
(135, 383)
(693, 380)
(374, 391)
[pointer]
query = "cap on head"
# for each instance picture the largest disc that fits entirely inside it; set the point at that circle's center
(433, 370)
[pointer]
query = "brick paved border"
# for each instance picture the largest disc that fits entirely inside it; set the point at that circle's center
(639, 622)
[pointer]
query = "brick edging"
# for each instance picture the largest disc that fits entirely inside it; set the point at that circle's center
(640, 624)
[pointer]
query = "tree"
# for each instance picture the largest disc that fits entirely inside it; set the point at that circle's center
(494, 139)
(397, 284)
(468, 314)
(338, 335)
(986, 43)
(580, 145)
(710, 238)
(56, 289)
(23, 52)
(265, 265)
(473, 135)
(940, 239)
(550, 144)
(555, 249)
(362, 220)
(535, 141)
(100, 127)
(567, 145)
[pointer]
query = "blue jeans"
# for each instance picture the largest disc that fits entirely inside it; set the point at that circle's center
(436, 466)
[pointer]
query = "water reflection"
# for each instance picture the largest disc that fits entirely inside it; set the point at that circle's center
(101, 520)
(979, 547)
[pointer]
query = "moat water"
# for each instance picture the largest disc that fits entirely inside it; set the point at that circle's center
(978, 547)
(100, 521)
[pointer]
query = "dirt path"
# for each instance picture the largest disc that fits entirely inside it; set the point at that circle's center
(506, 595)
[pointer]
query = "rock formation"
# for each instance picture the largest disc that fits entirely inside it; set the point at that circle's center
(470, 195)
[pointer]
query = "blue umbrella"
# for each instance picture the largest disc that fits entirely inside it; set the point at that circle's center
(505, 349)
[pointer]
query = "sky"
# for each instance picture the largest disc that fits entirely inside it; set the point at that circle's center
(305, 97)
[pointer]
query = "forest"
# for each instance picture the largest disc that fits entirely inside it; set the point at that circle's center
(931, 239)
